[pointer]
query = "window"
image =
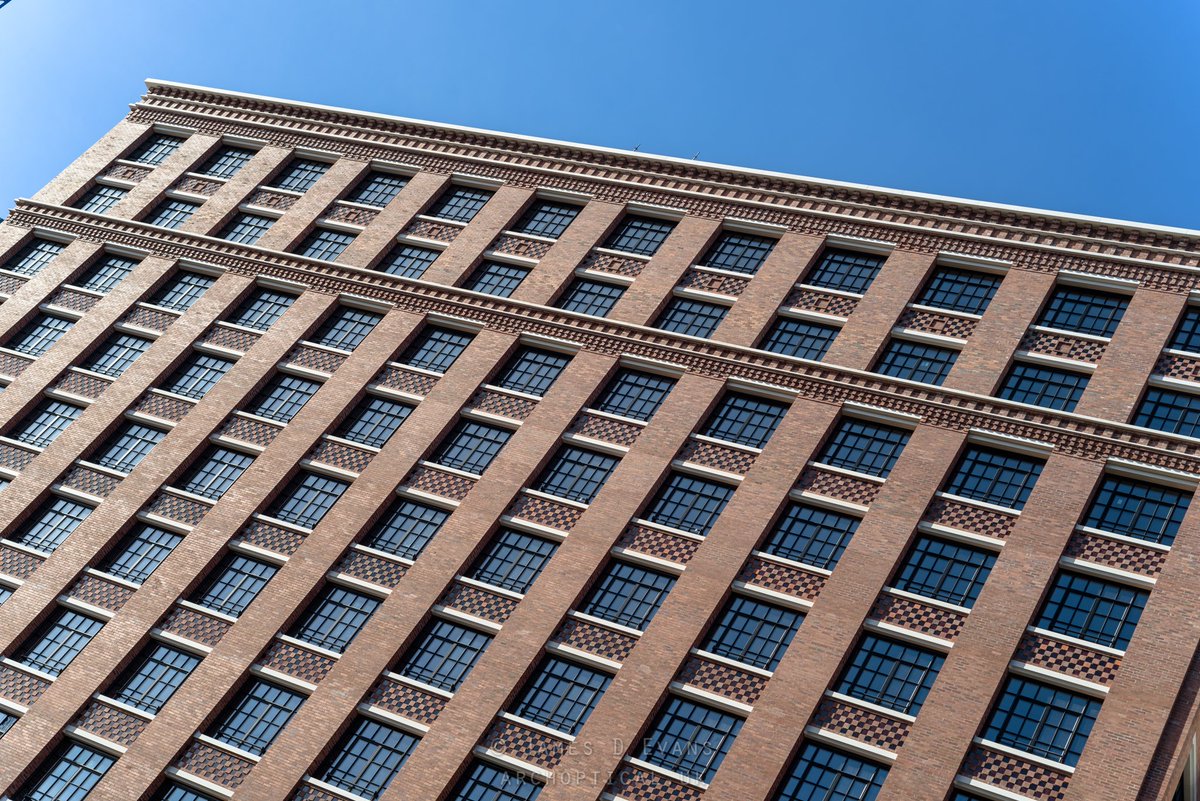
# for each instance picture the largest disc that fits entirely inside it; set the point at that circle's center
(156, 675)
(347, 328)
(198, 375)
(34, 257)
(115, 355)
(590, 297)
(5, 593)
(945, 571)
(1084, 310)
(532, 371)
(745, 419)
(1092, 609)
(216, 472)
(752, 632)
(811, 535)
(177, 792)
(799, 338)
(494, 278)
(172, 213)
(445, 654)
(100, 199)
(690, 739)
(561, 695)
(48, 420)
(406, 529)
(256, 717)
(1043, 386)
(129, 446)
(156, 149)
(68, 775)
(378, 188)
(1173, 412)
(436, 349)
(691, 317)
(460, 203)
(367, 758)
(374, 421)
(487, 782)
(326, 244)
(739, 253)
(140, 553)
(513, 560)
(628, 595)
(1042, 720)
(641, 235)
(58, 642)
(284, 397)
(7, 720)
(408, 261)
(335, 618)
(300, 174)
(471, 446)
(308, 498)
(959, 290)
(40, 335)
(635, 394)
(51, 524)
(226, 162)
(547, 218)
(845, 270)
(235, 584)
(994, 476)
(106, 273)
(891, 674)
(263, 309)
(246, 228)
(689, 503)
(823, 774)
(870, 448)
(915, 361)
(1186, 336)
(576, 474)
(1138, 509)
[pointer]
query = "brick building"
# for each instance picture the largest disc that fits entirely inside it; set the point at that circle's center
(347, 456)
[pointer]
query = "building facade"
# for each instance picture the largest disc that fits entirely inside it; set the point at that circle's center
(347, 456)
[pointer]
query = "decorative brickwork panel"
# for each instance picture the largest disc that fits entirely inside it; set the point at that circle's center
(164, 407)
(98, 592)
(612, 263)
(198, 186)
(407, 381)
(375, 569)
(1082, 663)
(946, 325)
(721, 679)
(660, 544)
(215, 765)
(544, 512)
(126, 172)
(595, 639)
(234, 339)
(272, 200)
(407, 702)
(93, 482)
(431, 229)
(12, 364)
(191, 625)
(814, 300)
(480, 603)
(9, 284)
(718, 457)
(1184, 368)
(245, 429)
(836, 485)
(1063, 346)
(309, 793)
(15, 458)
(636, 784)
(17, 564)
(150, 319)
(859, 724)
(527, 745)
(294, 661)
(502, 404)
(520, 246)
(782, 578)
(1121, 555)
(906, 614)
(717, 283)
(322, 361)
(971, 518)
(20, 687)
(112, 724)
(271, 538)
(340, 455)
(605, 429)
(1015, 775)
(173, 507)
(81, 384)
(70, 299)
(351, 214)
(435, 482)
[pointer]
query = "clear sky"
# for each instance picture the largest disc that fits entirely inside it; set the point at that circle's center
(1089, 106)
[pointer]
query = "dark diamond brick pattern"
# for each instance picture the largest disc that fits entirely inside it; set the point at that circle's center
(20, 687)
(309, 793)
(636, 784)
(271, 538)
(11, 364)
(198, 186)
(815, 300)
(192, 625)
(782, 578)
(595, 639)
(428, 229)
(150, 319)
(717, 283)
(911, 615)
(112, 724)
(1082, 663)
(98, 592)
(544, 512)
(1183, 368)
(9, 284)
(860, 724)
(126, 172)
(520, 246)
(525, 744)
(1121, 555)
(244, 429)
(368, 567)
(477, 602)
(966, 517)
(1015, 775)
(271, 200)
(17, 564)
(946, 325)
(217, 766)
(653, 542)
(322, 361)
(611, 263)
(70, 299)
(501, 404)
(721, 679)
(179, 509)
(230, 338)
(407, 702)
(341, 456)
(605, 429)
(836, 485)
(304, 665)
(15, 458)
(435, 482)
(1062, 346)
(350, 214)
(163, 407)
(718, 457)
(402, 380)
(91, 481)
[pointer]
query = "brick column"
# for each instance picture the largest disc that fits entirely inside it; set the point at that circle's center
(556, 268)
(80, 172)
(652, 289)
(453, 266)
(754, 311)
(288, 232)
(378, 237)
(213, 215)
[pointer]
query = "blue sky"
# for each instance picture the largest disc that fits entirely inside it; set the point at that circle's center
(1090, 107)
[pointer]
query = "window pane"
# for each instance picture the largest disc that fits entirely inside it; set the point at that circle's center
(1043, 386)
(691, 317)
(325, 244)
(745, 419)
(915, 361)
(407, 528)
(115, 355)
(263, 309)
(1042, 720)
(1173, 412)
(689, 503)
(752, 632)
(891, 674)
(140, 553)
(132, 443)
(226, 162)
(58, 642)
(1138, 509)
(871, 448)
(49, 526)
(532, 370)
(628, 595)
(945, 571)
(690, 739)
(460, 203)
(283, 397)
(256, 717)
(39, 335)
(1084, 310)
(444, 655)
(576, 474)
(634, 394)
(367, 758)
(105, 273)
(740, 253)
(823, 774)
(347, 328)
(561, 695)
(513, 560)
(495, 278)
(436, 349)
(216, 472)
(378, 188)
(100, 199)
(994, 476)
(154, 677)
(487, 782)
(408, 261)
(374, 421)
(235, 584)
(246, 229)
(547, 218)
(590, 297)
(300, 174)
(46, 422)
(198, 375)
(960, 290)
(182, 291)
(1187, 333)
(1092, 609)
(156, 149)
(34, 257)
(845, 270)
(172, 213)
(811, 535)
(804, 340)
(471, 446)
(334, 618)
(308, 498)
(69, 775)
(641, 235)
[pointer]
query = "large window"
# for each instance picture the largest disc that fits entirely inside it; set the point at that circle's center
(486, 782)
(690, 739)
(246, 228)
(183, 290)
(177, 792)
(1173, 412)
(132, 443)
(1138, 509)
(347, 328)
(156, 149)
(513, 560)
(800, 338)
(1043, 386)
(215, 473)
(634, 394)
(300, 174)
(68, 775)
(226, 162)
(406, 528)
(1186, 336)
(334, 618)
(945, 571)
(865, 447)
(845, 270)
(471, 446)
(154, 677)
(308, 498)
(496, 278)
(198, 375)
(1084, 310)
(547, 218)
(959, 290)
(367, 758)
(58, 642)
(823, 774)
(34, 257)
(325, 244)
(739, 253)
(1042, 720)
(460, 203)
(235, 583)
(408, 261)
(689, 503)
(995, 476)
(378, 188)
(745, 419)
(576, 473)
(436, 349)
(532, 371)
(49, 526)
(1092, 609)
(694, 318)
(889, 673)
(444, 655)
(263, 309)
(374, 420)
(916, 361)
(43, 425)
(256, 717)
(283, 397)
(641, 235)
(561, 695)
(811, 535)
(105, 273)
(628, 595)
(585, 296)
(752, 632)
(116, 354)
(172, 213)
(101, 199)
(141, 552)
(39, 335)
